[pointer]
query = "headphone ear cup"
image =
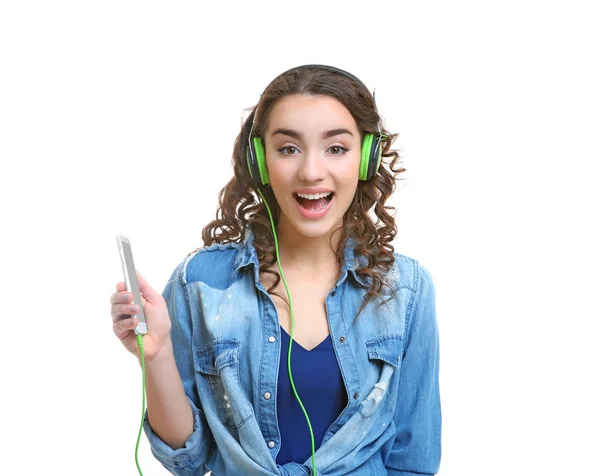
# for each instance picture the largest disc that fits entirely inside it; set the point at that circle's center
(365, 155)
(370, 156)
(257, 164)
(374, 155)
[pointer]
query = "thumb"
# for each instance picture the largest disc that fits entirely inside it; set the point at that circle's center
(148, 291)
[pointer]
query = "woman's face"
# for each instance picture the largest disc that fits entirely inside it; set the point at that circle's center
(312, 146)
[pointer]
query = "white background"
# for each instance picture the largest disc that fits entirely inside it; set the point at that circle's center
(120, 117)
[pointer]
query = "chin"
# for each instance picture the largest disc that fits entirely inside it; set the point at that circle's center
(314, 230)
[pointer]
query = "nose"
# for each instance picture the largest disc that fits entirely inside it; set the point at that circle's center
(312, 167)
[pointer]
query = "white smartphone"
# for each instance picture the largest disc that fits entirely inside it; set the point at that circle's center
(131, 281)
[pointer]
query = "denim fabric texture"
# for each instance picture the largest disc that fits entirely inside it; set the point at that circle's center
(226, 338)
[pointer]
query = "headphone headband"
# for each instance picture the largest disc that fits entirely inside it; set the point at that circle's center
(325, 67)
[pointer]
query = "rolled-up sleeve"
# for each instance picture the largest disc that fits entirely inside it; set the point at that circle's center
(190, 459)
(417, 447)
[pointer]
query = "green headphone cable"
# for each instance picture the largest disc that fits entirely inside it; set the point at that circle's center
(312, 437)
(140, 342)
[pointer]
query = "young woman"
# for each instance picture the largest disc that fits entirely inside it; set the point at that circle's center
(324, 361)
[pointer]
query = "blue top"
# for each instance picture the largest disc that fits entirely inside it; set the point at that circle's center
(319, 383)
(226, 344)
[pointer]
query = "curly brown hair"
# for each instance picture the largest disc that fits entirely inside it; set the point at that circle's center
(240, 205)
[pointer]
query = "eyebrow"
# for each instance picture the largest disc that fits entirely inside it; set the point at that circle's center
(298, 135)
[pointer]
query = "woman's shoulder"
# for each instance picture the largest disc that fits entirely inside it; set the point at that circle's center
(407, 272)
(210, 264)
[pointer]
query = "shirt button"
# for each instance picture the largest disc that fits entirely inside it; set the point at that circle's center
(333, 293)
(355, 396)
(271, 339)
(267, 395)
(342, 339)
(271, 444)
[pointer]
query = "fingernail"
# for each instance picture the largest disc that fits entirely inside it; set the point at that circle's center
(133, 308)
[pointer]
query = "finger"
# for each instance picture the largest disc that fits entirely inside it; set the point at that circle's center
(121, 311)
(121, 297)
(121, 286)
(122, 327)
(148, 291)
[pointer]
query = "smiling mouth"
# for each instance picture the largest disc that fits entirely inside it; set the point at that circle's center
(314, 205)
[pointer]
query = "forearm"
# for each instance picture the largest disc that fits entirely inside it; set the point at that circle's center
(169, 411)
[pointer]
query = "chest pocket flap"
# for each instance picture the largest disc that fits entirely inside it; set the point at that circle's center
(217, 355)
(387, 348)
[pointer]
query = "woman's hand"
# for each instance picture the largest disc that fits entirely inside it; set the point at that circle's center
(158, 339)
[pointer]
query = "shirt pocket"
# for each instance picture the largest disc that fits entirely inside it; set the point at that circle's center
(218, 366)
(386, 352)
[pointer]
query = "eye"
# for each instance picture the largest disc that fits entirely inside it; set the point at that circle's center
(337, 150)
(288, 150)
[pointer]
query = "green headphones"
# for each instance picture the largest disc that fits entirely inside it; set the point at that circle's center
(370, 151)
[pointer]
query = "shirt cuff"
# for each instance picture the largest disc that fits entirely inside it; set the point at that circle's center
(193, 453)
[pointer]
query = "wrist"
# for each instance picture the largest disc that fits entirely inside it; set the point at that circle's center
(158, 356)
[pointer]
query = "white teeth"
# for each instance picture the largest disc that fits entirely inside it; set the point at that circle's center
(315, 196)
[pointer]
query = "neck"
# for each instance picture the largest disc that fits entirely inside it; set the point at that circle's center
(307, 255)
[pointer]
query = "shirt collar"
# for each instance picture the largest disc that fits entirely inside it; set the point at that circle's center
(247, 256)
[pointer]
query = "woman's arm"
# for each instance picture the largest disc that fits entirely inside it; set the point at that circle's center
(169, 411)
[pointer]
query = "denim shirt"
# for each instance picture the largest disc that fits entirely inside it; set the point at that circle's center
(226, 339)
